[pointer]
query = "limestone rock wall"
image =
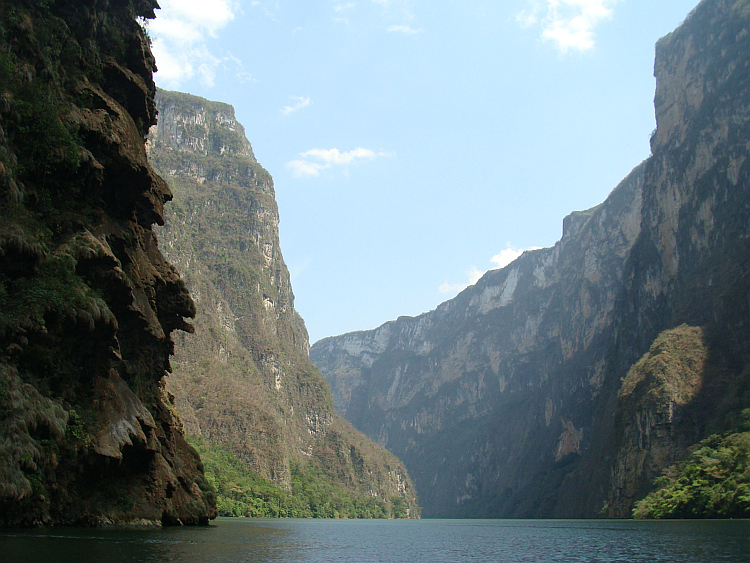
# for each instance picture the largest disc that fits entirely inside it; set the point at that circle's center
(506, 400)
(482, 397)
(88, 434)
(244, 379)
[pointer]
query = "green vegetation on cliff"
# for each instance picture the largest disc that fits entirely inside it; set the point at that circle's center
(671, 399)
(712, 482)
(712, 479)
(242, 492)
(271, 440)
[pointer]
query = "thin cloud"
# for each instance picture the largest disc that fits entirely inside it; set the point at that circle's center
(401, 6)
(181, 32)
(314, 161)
(527, 18)
(568, 24)
(505, 257)
(199, 14)
(500, 260)
(342, 7)
(299, 103)
(335, 156)
(301, 168)
(340, 10)
(473, 275)
(405, 29)
(398, 10)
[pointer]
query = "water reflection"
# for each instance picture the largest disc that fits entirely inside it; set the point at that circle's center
(433, 541)
(225, 541)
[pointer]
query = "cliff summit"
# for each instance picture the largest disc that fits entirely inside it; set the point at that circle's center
(243, 382)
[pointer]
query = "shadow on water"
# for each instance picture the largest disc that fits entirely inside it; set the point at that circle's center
(224, 541)
(387, 541)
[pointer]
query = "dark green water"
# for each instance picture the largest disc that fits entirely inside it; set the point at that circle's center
(386, 541)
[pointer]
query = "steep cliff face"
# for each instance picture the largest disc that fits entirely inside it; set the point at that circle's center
(508, 400)
(87, 302)
(487, 399)
(691, 262)
(244, 380)
(654, 423)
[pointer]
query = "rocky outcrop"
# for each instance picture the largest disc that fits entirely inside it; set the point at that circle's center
(654, 426)
(244, 380)
(508, 401)
(88, 433)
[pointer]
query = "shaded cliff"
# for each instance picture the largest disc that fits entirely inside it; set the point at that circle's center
(87, 301)
(485, 398)
(244, 381)
(511, 400)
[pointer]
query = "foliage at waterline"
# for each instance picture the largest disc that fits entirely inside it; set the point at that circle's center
(242, 492)
(713, 482)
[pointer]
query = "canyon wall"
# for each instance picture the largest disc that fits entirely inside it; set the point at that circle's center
(88, 433)
(243, 381)
(524, 395)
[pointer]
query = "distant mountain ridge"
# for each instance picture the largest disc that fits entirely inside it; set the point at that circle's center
(517, 398)
(244, 381)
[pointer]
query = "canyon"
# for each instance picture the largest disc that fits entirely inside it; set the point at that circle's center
(243, 380)
(564, 383)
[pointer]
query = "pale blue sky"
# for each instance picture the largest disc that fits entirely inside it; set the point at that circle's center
(411, 142)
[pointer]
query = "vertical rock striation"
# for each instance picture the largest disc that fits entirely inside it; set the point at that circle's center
(88, 433)
(517, 398)
(244, 380)
(486, 399)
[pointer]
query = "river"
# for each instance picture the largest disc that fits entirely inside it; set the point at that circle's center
(230, 540)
